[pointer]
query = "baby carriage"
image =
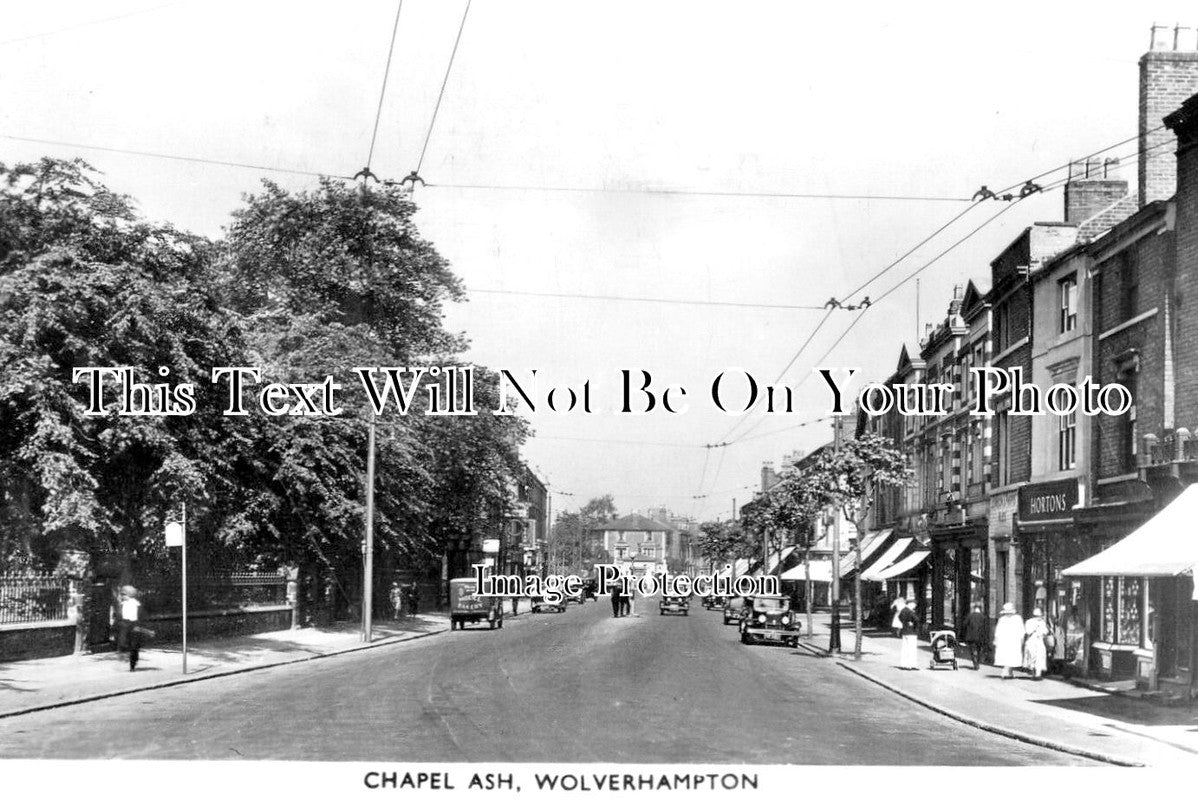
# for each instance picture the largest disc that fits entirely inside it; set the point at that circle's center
(944, 649)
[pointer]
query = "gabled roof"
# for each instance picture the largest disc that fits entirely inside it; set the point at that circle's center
(905, 361)
(633, 522)
(974, 301)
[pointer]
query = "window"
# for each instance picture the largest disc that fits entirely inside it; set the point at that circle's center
(1129, 282)
(1001, 327)
(621, 553)
(976, 451)
(1127, 426)
(1067, 441)
(1002, 448)
(649, 550)
(1067, 297)
(1121, 618)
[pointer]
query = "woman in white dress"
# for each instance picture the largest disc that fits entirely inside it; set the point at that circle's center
(1008, 640)
(1035, 655)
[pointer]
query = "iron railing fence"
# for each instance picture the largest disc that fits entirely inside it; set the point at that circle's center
(31, 596)
(162, 594)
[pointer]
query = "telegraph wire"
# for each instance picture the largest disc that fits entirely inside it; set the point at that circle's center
(695, 192)
(90, 23)
(172, 157)
(664, 300)
(437, 107)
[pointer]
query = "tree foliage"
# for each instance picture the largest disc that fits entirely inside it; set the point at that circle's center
(302, 285)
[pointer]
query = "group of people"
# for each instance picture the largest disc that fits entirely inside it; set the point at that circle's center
(1018, 644)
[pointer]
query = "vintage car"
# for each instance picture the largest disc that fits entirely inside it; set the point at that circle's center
(541, 605)
(465, 605)
(714, 601)
(674, 604)
(734, 608)
(768, 618)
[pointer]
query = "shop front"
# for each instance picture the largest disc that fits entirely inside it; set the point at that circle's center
(960, 570)
(1144, 609)
(1050, 540)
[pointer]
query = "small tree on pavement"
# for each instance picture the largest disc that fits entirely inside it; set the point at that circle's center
(848, 481)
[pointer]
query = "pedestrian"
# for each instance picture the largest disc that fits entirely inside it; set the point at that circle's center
(626, 603)
(128, 633)
(617, 599)
(396, 596)
(909, 629)
(413, 599)
(974, 634)
(896, 608)
(1008, 640)
(1035, 655)
(515, 604)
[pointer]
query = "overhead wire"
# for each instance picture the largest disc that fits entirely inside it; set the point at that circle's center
(779, 195)
(172, 157)
(441, 94)
(662, 300)
(378, 114)
(90, 23)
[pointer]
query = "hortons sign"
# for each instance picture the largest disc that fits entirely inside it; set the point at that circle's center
(1047, 501)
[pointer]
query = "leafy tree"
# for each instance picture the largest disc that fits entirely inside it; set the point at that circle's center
(573, 544)
(847, 479)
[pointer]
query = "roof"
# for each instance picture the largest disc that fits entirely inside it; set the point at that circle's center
(633, 522)
(1164, 546)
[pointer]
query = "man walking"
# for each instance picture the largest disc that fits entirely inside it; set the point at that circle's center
(128, 634)
(617, 599)
(974, 634)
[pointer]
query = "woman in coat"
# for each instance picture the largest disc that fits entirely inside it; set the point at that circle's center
(1035, 655)
(1008, 640)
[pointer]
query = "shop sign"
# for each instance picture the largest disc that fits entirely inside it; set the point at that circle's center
(1051, 500)
(1002, 514)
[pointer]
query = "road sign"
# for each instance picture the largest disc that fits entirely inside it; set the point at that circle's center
(174, 534)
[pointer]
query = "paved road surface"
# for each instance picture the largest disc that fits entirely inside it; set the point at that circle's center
(573, 687)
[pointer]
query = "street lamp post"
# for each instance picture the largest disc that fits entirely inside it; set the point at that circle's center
(368, 545)
(834, 635)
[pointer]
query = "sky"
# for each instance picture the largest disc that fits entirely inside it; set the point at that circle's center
(608, 100)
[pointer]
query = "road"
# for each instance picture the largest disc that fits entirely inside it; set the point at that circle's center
(575, 687)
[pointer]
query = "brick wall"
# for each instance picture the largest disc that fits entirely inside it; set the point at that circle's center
(38, 640)
(1184, 318)
(1142, 342)
(1167, 79)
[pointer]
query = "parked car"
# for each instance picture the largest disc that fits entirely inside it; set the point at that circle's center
(733, 610)
(540, 605)
(768, 618)
(467, 606)
(674, 604)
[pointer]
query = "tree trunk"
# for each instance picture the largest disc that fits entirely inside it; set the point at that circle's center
(807, 567)
(857, 590)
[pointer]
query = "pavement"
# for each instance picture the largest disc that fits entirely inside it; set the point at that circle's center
(1117, 728)
(43, 683)
(580, 687)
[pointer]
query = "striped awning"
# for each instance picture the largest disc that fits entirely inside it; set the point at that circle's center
(871, 545)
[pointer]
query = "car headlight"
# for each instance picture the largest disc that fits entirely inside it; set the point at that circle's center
(785, 620)
(761, 618)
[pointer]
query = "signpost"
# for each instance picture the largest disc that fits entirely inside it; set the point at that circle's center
(176, 536)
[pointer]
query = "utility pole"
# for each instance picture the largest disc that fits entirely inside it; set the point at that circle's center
(834, 636)
(368, 544)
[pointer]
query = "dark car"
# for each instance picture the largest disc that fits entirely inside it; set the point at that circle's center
(733, 610)
(714, 601)
(768, 618)
(541, 605)
(674, 604)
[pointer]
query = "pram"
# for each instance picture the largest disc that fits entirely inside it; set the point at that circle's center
(944, 649)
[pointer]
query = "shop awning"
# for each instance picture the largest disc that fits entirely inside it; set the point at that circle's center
(895, 553)
(821, 572)
(903, 566)
(870, 545)
(1164, 546)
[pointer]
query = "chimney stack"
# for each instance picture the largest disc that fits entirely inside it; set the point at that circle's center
(1168, 76)
(1089, 190)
